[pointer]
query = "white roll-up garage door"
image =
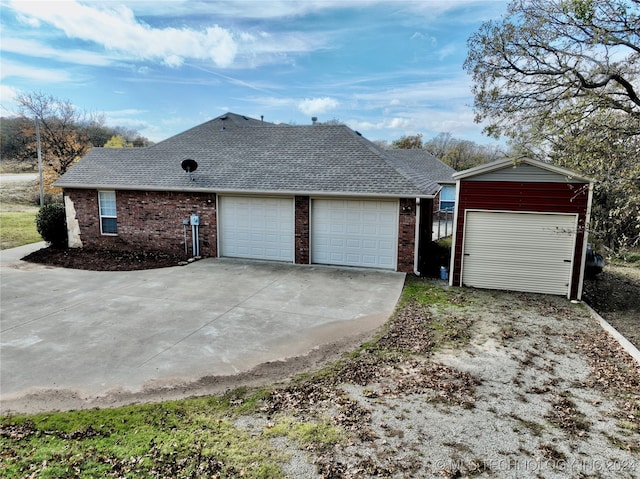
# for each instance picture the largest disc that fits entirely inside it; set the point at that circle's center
(530, 252)
(256, 227)
(352, 232)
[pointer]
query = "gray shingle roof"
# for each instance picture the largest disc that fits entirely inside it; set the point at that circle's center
(262, 157)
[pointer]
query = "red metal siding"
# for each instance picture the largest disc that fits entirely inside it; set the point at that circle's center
(523, 196)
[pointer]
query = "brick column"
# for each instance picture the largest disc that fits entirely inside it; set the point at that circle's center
(302, 230)
(406, 235)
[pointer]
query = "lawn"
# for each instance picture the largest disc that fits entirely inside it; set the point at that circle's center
(189, 438)
(17, 214)
(18, 228)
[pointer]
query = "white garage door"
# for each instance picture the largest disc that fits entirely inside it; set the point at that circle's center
(258, 228)
(519, 251)
(354, 232)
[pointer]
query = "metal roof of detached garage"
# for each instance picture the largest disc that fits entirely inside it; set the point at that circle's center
(240, 154)
(522, 170)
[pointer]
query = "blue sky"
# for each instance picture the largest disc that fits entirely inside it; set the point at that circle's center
(385, 68)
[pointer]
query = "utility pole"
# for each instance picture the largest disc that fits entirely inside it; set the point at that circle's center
(39, 161)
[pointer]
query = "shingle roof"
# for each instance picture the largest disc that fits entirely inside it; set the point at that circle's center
(262, 157)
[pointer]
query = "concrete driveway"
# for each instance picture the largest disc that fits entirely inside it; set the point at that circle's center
(87, 335)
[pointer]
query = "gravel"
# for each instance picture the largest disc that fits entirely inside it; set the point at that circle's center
(535, 389)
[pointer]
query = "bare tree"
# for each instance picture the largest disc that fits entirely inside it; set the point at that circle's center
(62, 127)
(461, 154)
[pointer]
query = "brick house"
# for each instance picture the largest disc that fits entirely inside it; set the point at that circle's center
(314, 194)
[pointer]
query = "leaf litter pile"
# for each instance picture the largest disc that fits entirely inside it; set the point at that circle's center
(458, 383)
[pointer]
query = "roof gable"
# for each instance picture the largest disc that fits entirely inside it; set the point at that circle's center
(522, 170)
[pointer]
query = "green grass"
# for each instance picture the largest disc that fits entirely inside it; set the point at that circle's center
(306, 433)
(188, 438)
(17, 229)
(429, 292)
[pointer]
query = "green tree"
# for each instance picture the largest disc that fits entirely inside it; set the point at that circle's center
(13, 140)
(118, 141)
(610, 156)
(413, 142)
(545, 59)
(560, 78)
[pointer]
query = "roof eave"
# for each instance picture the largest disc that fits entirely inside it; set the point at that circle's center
(230, 191)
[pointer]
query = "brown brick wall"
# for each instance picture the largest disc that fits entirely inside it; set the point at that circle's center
(149, 220)
(406, 235)
(153, 220)
(302, 229)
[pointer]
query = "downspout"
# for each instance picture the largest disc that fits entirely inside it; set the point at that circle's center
(416, 248)
(585, 240)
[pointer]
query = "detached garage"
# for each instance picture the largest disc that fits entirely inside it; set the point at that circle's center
(521, 226)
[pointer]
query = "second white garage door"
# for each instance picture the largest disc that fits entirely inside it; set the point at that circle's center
(530, 252)
(258, 228)
(352, 232)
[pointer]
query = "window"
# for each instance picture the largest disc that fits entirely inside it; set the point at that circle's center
(448, 198)
(108, 218)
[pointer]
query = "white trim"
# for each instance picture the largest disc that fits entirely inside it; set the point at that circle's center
(100, 215)
(585, 240)
(551, 213)
(220, 224)
(454, 239)
(395, 201)
(573, 255)
(416, 244)
(572, 176)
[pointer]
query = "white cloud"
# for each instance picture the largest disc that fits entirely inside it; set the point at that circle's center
(8, 99)
(125, 112)
(418, 94)
(39, 50)
(243, 9)
(9, 70)
(117, 29)
(446, 51)
(315, 106)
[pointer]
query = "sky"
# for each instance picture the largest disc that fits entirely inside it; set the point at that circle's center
(385, 68)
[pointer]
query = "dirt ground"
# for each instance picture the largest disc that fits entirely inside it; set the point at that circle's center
(526, 386)
(615, 294)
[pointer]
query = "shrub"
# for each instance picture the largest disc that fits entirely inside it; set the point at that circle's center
(51, 223)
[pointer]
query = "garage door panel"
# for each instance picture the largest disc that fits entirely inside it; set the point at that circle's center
(257, 228)
(354, 232)
(519, 251)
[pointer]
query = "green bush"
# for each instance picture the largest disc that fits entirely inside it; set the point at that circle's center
(51, 223)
